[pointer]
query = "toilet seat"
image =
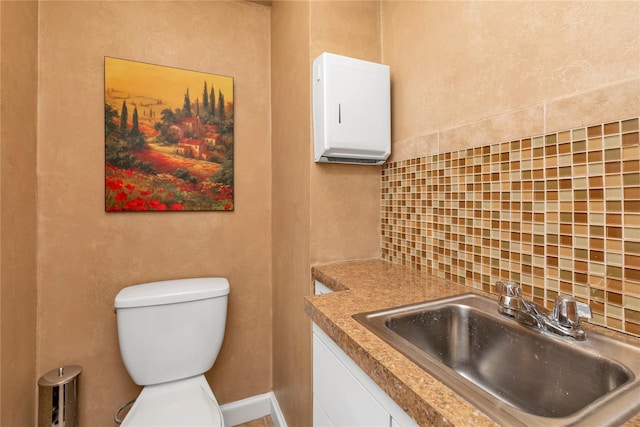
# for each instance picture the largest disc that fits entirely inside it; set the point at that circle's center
(183, 403)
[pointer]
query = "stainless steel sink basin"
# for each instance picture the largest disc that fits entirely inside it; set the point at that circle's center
(514, 374)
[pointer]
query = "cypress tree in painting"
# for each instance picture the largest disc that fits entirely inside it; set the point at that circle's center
(186, 109)
(205, 98)
(136, 138)
(134, 127)
(220, 107)
(212, 107)
(123, 120)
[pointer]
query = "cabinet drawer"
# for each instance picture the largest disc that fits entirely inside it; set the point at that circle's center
(320, 417)
(342, 397)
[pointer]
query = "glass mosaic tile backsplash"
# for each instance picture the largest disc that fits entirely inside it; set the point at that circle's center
(558, 213)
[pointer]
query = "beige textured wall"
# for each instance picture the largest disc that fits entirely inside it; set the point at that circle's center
(86, 255)
(345, 199)
(291, 126)
(18, 115)
(320, 212)
(472, 73)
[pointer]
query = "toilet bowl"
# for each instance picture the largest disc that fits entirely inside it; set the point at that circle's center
(170, 334)
(187, 402)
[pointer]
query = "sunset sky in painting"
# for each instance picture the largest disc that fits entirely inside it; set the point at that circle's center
(165, 83)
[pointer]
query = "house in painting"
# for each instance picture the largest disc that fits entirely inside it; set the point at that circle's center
(192, 148)
(189, 127)
(193, 126)
(211, 139)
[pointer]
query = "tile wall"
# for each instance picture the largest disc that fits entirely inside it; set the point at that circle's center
(559, 213)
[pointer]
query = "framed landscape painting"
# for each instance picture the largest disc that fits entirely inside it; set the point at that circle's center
(168, 137)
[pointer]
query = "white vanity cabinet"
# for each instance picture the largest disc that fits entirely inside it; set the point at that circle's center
(343, 395)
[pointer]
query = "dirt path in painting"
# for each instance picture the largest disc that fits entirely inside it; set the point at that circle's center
(164, 161)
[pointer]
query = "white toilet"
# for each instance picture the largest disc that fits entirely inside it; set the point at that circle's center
(170, 333)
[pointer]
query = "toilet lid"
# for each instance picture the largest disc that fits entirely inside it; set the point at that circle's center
(180, 403)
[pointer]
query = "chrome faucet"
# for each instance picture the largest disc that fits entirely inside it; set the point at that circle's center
(564, 319)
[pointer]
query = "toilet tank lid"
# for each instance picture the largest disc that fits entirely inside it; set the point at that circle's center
(172, 291)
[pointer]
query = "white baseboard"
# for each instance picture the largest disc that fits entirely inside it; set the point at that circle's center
(253, 408)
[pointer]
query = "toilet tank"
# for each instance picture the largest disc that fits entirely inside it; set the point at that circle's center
(172, 329)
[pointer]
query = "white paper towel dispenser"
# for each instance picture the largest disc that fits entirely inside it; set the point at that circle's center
(351, 110)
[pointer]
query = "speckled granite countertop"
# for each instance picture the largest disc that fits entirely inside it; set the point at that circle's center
(376, 284)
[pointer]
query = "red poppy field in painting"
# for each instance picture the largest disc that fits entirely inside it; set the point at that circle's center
(129, 190)
(168, 139)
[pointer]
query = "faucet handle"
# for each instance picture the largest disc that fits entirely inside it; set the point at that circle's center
(568, 312)
(510, 299)
(508, 289)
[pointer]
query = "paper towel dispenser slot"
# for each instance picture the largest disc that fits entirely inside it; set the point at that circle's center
(351, 110)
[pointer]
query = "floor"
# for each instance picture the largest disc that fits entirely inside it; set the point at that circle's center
(260, 422)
